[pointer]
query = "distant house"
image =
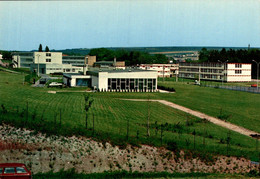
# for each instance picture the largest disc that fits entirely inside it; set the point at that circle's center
(1, 56)
(163, 70)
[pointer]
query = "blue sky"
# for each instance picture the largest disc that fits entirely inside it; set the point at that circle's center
(115, 23)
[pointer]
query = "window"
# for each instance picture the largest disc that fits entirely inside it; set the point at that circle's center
(9, 170)
(48, 60)
(20, 170)
(238, 65)
(48, 54)
(238, 71)
(1, 170)
(73, 69)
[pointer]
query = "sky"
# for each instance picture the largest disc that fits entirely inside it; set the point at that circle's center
(129, 23)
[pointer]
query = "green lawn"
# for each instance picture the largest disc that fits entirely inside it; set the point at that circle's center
(242, 107)
(111, 115)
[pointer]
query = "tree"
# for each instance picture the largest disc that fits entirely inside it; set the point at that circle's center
(40, 48)
(47, 49)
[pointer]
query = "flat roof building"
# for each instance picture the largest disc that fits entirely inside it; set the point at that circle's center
(163, 70)
(228, 72)
(114, 80)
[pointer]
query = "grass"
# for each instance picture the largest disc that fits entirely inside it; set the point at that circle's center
(111, 115)
(242, 107)
(126, 174)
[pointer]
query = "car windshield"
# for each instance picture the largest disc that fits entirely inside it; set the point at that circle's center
(20, 170)
(9, 170)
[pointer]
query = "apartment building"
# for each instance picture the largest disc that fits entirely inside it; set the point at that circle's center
(228, 72)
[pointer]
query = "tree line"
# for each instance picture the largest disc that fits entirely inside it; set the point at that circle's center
(233, 56)
(131, 58)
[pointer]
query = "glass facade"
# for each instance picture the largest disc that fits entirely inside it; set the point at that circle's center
(137, 84)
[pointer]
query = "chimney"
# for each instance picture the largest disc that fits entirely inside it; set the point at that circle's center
(114, 61)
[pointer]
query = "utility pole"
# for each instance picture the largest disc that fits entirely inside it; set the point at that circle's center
(257, 63)
(163, 73)
(176, 70)
(38, 55)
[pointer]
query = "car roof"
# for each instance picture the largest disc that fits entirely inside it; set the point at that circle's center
(12, 165)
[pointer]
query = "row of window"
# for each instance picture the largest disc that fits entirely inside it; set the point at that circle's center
(48, 60)
(53, 68)
(138, 84)
(48, 54)
(238, 65)
(71, 70)
(238, 71)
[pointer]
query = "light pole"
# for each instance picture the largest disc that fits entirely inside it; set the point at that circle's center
(223, 70)
(38, 65)
(257, 63)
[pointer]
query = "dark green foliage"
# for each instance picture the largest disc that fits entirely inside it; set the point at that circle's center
(130, 57)
(166, 88)
(71, 173)
(47, 49)
(7, 55)
(233, 56)
(40, 48)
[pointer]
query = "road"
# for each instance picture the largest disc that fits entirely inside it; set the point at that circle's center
(201, 115)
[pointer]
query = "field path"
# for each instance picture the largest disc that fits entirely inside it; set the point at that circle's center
(201, 115)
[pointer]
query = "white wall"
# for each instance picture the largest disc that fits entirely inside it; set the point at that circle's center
(56, 57)
(16, 61)
(234, 77)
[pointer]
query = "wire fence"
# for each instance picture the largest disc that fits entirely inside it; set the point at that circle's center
(235, 88)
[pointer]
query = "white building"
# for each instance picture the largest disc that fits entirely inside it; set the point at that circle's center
(1, 56)
(46, 62)
(228, 72)
(163, 70)
(239, 72)
(114, 80)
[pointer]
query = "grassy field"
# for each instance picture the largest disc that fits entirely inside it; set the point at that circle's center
(241, 107)
(111, 116)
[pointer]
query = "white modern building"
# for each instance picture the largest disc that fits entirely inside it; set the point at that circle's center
(49, 62)
(228, 72)
(114, 80)
(163, 70)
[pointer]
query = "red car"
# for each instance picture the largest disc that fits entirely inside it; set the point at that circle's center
(254, 85)
(14, 170)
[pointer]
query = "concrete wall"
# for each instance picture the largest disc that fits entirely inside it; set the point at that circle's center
(91, 60)
(56, 57)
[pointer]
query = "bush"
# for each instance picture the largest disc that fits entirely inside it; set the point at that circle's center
(166, 88)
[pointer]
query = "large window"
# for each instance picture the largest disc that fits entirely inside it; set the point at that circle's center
(137, 84)
(83, 82)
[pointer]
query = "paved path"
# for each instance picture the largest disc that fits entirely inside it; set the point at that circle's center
(214, 120)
